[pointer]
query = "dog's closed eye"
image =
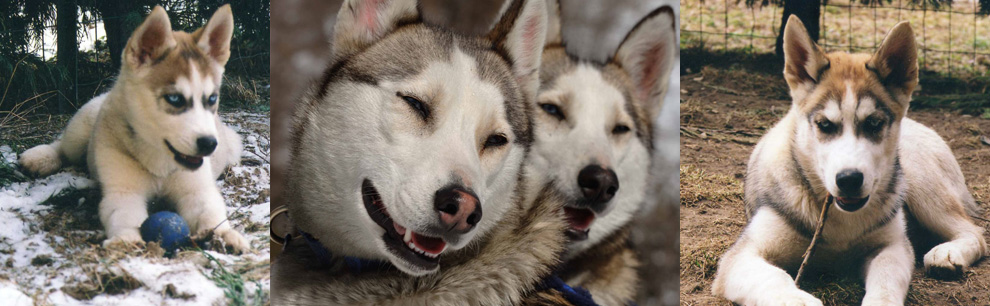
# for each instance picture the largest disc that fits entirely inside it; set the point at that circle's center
(417, 105)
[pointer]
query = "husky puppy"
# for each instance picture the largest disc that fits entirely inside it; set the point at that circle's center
(593, 144)
(156, 133)
(846, 136)
(407, 165)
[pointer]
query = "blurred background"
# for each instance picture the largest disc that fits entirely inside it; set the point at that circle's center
(592, 29)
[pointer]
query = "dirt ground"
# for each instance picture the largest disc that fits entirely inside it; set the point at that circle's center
(724, 111)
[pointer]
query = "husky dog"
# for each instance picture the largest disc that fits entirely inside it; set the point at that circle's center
(408, 154)
(156, 133)
(846, 136)
(593, 144)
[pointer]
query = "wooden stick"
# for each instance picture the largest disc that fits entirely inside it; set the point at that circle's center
(814, 238)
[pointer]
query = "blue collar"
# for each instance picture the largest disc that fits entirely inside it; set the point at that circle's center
(352, 265)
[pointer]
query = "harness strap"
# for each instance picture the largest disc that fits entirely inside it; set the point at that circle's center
(283, 231)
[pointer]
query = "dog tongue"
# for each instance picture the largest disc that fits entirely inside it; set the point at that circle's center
(580, 219)
(192, 159)
(428, 244)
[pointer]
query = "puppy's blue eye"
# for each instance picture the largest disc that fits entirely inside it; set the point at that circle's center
(175, 100)
(826, 126)
(553, 110)
(212, 100)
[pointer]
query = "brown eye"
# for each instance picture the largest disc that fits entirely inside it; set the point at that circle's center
(874, 124)
(495, 140)
(620, 129)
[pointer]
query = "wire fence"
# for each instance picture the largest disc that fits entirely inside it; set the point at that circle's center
(954, 39)
(31, 80)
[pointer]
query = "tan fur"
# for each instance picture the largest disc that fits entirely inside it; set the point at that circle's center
(608, 271)
(784, 190)
(121, 133)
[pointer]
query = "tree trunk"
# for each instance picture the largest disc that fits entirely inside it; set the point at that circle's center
(116, 25)
(806, 10)
(68, 48)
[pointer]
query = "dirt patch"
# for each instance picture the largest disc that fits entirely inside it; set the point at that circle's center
(723, 114)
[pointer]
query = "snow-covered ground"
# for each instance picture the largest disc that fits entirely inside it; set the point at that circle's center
(50, 241)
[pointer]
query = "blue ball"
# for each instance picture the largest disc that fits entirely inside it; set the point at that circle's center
(167, 228)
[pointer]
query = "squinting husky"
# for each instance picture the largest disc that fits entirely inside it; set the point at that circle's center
(406, 165)
(846, 136)
(593, 142)
(156, 132)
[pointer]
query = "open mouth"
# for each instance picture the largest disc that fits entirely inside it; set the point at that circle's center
(579, 220)
(415, 248)
(188, 161)
(851, 204)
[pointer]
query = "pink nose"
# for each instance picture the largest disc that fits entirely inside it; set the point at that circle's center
(459, 208)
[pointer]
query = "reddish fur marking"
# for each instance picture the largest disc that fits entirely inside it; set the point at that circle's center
(530, 34)
(369, 15)
(650, 71)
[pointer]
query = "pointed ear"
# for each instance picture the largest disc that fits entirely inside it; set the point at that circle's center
(554, 36)
(803, 60)
(214, 38)
(150, 41)
(361, 23)
(647, 54)
(520, 35)
(896, 62)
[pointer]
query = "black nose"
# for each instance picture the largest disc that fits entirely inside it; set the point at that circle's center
(206, 144)
(850, 182)
(598, 184)
(459, 208)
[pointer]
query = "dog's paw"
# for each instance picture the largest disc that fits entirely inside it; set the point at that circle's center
(124, 240)
(945, 261)
(233, 241)
(796, 298)
(40, 161)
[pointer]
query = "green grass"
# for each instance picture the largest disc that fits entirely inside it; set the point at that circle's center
(233, 285)
(9, 174)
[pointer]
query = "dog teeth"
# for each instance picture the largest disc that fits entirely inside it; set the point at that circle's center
(407, 238)
(413, 247)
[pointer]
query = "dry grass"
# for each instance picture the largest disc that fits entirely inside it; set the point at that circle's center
(717, 124)
(72, 227)
(856, 29)
(699, 186)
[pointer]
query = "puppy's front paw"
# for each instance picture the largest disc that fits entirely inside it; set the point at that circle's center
(796, 298)
(945, 261)
(235, 241)
(124, 239)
